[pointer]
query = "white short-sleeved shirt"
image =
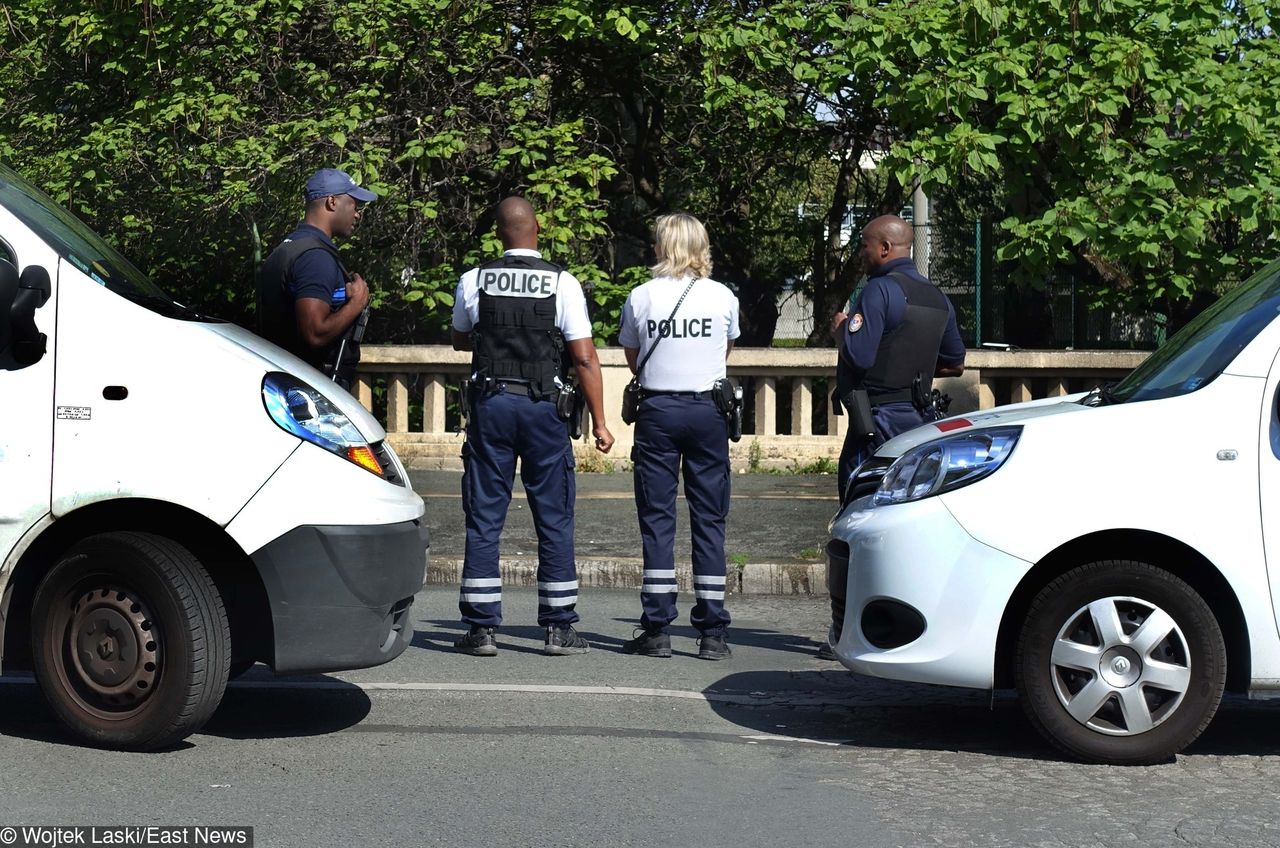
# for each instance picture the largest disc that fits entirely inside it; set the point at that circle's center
(694, 343)
(571, 303)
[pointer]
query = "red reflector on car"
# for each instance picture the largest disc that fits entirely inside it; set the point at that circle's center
(954, 424)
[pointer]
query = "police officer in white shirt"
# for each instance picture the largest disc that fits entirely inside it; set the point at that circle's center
(677, 330)
(525, 320)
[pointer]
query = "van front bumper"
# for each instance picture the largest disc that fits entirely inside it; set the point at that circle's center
(924, 599)
(341, 596)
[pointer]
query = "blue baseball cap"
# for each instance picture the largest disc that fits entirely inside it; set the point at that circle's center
(329, 181)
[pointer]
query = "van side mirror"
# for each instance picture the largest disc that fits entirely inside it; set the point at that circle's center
(8, 291)
(34, 290)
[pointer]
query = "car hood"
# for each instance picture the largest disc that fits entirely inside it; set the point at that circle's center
(1017, 413)
(254, 349)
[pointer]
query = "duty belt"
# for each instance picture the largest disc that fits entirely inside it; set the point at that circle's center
(495, 386)
(648, 393)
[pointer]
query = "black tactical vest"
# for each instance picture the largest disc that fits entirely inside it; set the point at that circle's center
(907, 351)
(516, 337)
(277, 315)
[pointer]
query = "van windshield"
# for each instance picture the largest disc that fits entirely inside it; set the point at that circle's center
(1206, 346)
(84, 248)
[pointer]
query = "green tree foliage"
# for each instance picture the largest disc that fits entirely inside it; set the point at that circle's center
(1134, 141)
(186, 128)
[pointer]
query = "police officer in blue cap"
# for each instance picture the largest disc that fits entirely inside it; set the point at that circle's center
(308, 303)
(677, 330)
(900, 334)
(525, 321)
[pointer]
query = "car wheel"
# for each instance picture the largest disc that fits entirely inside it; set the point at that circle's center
(1120, 662)
(130, 641)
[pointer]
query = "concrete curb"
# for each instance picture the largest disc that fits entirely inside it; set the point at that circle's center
(781, 578)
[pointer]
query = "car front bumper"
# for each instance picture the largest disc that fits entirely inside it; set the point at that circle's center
(922, 589)
(341, 596)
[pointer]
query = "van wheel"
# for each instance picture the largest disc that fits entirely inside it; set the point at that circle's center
(1120, 662)
(130, 641)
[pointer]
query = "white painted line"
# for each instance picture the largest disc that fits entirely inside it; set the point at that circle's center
(769, 737)
(628, 496)
(529, 688)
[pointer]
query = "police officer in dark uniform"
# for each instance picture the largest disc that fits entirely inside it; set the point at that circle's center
(677, 330)
(308, 303)
(525, 321)
(901, 335)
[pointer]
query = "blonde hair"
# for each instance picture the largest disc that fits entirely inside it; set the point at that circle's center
(682, 247)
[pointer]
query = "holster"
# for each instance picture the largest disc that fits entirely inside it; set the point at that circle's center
(728, 400)
(922, 392)
(858, 404)
(631, 401)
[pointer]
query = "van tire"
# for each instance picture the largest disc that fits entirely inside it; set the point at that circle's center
(130, 641)
(1147, 695)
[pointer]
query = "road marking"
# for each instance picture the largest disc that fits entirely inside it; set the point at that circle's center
(627, 496)
(754, 698)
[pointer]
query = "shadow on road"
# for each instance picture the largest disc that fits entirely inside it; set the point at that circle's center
(865, 712)
(834, 706)
(245, 712)
(248, 712)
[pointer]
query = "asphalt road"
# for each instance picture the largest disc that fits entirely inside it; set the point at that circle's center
(772, 747)
(772, 517)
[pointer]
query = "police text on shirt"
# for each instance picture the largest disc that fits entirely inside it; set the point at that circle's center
(679, 328)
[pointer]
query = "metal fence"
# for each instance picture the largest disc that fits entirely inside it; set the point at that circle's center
(992, 310)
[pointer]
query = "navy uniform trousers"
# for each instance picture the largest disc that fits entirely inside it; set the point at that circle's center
(675, 433)
(505, 425)
(890, 419)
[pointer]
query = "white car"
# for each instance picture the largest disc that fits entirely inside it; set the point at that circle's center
(178, 498)
(1107, 554)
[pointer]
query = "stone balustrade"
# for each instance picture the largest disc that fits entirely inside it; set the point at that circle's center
(788, 416)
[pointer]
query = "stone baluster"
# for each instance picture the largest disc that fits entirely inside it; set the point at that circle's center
(434, 402)
(986, 392)
(766, 406)
(802, 406)
(398, 404)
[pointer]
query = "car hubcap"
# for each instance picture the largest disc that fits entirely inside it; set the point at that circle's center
(111, 653)
(1120, 666)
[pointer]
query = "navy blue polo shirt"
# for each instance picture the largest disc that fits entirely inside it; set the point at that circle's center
(316, 273)
(879, 309)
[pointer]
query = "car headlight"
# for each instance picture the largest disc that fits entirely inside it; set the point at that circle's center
(946, 464)
(301, 410)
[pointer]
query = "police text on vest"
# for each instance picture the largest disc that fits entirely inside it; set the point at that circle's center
(512, 283)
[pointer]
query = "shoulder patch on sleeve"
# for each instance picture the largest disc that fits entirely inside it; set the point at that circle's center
(855, 323)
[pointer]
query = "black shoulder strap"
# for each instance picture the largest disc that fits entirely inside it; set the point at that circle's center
(640, 367)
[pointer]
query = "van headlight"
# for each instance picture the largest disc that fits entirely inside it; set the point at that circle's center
(946, 464)
(301, 410)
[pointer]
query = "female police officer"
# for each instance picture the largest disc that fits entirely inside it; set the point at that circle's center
(677, 330)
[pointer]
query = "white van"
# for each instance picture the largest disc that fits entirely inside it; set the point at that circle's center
(1108, 554)
(178, 498)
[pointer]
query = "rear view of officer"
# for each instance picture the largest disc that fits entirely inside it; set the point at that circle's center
(677, 330)
(525, 320)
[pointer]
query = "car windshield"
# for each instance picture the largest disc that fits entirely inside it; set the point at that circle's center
(1206, 346)
(84, 248)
